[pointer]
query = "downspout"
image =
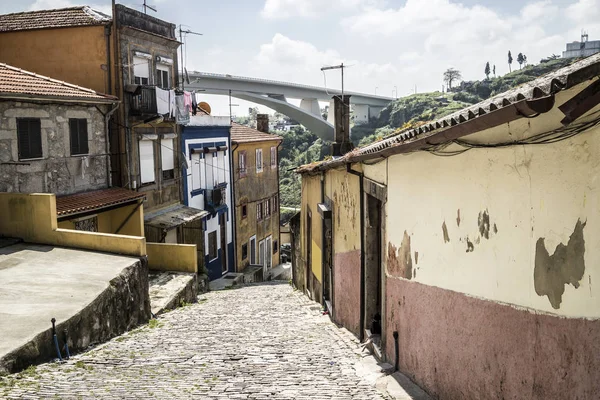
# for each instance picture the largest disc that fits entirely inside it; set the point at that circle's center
(107, 33)
(323, 255)
(362, 249)
(278, 205)
(107, 142)
(233, 211)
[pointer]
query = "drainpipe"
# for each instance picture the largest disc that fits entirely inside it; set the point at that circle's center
(107, 142)
(107, 33)
(323, 255)
(279, 205)
(362, 249)
(233, 202)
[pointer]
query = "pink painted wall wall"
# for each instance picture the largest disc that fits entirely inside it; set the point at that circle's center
(346, 291)
(461, 347)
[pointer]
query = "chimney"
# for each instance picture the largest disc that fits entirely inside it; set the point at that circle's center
(262, 122)
(342, 143)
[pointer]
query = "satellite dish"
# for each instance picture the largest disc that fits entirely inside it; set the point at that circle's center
(204, 106)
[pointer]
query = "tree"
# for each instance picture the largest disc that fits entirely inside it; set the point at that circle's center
(494, 69)
(520, 60)
(510, 59)
(525, 59)
(487, 70)
(451, 75)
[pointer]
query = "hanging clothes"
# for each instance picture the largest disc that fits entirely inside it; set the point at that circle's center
(187, 101)
(162, 101)
(182, 115)
(172, 107)
(194, 103)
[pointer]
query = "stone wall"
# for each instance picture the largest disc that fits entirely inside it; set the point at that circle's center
(57, 171)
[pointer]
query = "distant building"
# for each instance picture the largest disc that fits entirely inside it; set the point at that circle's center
(256, 195)
(207, 186)
(585, 48)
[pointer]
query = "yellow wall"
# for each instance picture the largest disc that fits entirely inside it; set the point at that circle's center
(32, 217)
(172, 257)
(109, 221)
(344, 191)
(311, 196)
(534, 197)
(78, 59)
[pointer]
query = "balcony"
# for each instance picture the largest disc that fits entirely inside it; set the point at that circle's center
(142, 100)
(215, 198)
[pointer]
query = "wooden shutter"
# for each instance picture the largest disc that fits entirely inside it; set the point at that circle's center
(79, 136)
(29, 138)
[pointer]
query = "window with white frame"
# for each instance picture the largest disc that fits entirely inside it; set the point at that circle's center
(163, 76)
(146, 148)
(259, 161)
(141, 71)
(273, 157)
(167, 153)
(242, 163)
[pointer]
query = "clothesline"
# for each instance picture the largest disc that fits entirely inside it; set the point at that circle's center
(176, 105)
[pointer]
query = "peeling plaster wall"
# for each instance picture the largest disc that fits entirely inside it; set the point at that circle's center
(504, 209)
(57, 172)
(344, 191)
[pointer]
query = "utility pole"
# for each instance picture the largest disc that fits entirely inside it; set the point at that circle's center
(181, 32)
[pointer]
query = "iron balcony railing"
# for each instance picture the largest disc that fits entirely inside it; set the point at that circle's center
(143, 101)
(214, 198)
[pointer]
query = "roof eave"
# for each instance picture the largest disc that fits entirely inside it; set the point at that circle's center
(58, 99)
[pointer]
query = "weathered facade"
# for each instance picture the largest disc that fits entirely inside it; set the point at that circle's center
(472, 258)
(207, 186)
(256, 194)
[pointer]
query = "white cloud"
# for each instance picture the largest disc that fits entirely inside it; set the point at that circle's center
(280, 9)
(50, 4)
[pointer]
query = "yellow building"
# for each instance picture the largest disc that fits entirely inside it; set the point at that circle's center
(467, 244)
(256, 197)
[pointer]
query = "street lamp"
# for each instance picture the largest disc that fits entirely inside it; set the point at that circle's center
(396, 90)
(376, 90)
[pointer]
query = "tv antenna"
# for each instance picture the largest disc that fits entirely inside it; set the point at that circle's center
(341, 67)
(181, 33)
(153, 8)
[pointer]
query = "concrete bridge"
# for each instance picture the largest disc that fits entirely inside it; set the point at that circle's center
(274, 94)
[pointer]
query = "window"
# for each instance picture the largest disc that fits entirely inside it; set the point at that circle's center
(29, 134)
(212, 245)
(259, 161)
(162, 76)
(141, 71)
(146, 161)
(242, 163)
(259, 211)
(275, 247)
(244, 251)
(267, 208)
(167, 163)
(244, 210)
(79, 136)
(275, 207)
(273, 157)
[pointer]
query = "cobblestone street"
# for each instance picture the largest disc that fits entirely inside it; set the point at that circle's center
(256, 342)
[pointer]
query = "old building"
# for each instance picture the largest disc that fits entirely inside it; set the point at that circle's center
(464, 248)
(256, 195)
(132, 56)
(55, 140)
(207, 186)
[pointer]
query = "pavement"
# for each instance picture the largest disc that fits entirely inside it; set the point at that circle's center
(261, 341)
(40, 282)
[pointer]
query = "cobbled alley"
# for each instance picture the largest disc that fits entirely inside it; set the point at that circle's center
(255, 342)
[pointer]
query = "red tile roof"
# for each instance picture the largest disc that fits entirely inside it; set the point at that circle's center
(245, 134)
(57, 18)
(15, 82)
(95, 200)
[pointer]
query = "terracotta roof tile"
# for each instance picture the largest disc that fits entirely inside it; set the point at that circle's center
(57, 18)
(95, 200)
(15, 82)
(245, 134)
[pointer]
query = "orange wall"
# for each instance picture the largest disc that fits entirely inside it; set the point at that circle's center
(78, 59)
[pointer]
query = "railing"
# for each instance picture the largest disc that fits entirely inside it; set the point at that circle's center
(214, 198)
(143, 102)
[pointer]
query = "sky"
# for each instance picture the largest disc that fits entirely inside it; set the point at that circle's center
(389, 44)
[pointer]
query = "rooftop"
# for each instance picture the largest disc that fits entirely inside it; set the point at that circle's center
(57, 18)
(173, 216)
(526, 100)
(18, 83)
(245, 134)
(94, 200)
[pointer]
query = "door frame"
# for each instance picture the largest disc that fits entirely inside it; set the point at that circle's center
(253, 247)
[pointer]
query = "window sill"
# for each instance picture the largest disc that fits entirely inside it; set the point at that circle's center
(80, 155)
(32, 159)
